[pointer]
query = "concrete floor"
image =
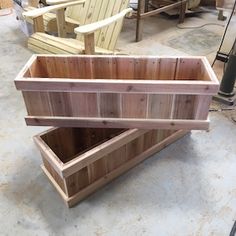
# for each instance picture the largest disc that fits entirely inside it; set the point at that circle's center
(186, 189)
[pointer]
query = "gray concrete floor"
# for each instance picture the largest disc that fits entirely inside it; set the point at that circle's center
(186, 189)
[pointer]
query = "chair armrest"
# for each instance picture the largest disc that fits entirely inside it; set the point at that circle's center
(40, 11)
(91, 28)
(54, 2)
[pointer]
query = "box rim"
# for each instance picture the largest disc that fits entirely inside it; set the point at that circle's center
(210, 86)
(82, 160)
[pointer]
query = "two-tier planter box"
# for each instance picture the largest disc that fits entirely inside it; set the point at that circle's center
(78, 161)
(147, 102)
(146, 92)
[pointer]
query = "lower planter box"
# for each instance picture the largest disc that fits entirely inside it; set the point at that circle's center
(78, 161)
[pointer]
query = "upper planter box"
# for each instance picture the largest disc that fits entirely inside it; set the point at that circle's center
(146, 92)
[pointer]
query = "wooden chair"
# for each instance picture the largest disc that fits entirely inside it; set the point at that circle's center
(98, 33)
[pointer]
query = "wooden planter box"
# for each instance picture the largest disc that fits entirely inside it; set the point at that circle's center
(145, 92)
(78, 161)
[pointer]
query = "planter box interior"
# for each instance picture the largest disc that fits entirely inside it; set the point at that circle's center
(78, 161)
(118, 91)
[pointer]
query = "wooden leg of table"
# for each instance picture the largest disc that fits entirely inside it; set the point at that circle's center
(182, 10)
(146, 5)
(139, 24)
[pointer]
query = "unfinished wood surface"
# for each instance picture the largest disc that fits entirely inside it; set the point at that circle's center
(100, 24)
(40, 11)
(201, 106)
(38, 24)
(134, 105)
(174, 123)
(125, 67)
(159, 106)
(86, 104)
(183, 107)
(109, 105)
(125, 150)
(61, 23)
(113, 91)
(89, 44)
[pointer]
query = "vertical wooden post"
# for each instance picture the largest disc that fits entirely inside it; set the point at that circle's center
(139, 24)
(146, 5)
(61, 23)
(38, 24)
(182, 10)
(89, 43)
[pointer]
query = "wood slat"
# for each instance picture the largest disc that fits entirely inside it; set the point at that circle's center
(97, 170)
(109, 105)
(134, 148)
(201, 106)
(118, 86)
(134, 105)
(188, 69)
(77, 181)
(116, 158)
(58, 121)
(117, 29)
(184, 107)
(102, 33)
(54, 175)
(37, 103)
(110, 28)
(60, 104)
(160, 106)
(101, 16)
(167, 68)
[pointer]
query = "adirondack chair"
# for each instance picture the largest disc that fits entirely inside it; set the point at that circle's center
(97, 33)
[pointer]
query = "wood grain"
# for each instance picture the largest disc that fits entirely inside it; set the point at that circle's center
(109, 105)
(125, 151)
(160, 106)
(117, 91)
(134, 105)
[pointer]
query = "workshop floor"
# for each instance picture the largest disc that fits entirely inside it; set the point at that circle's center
(187, 189)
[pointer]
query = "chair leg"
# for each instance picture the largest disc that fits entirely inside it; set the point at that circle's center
(89, 44)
